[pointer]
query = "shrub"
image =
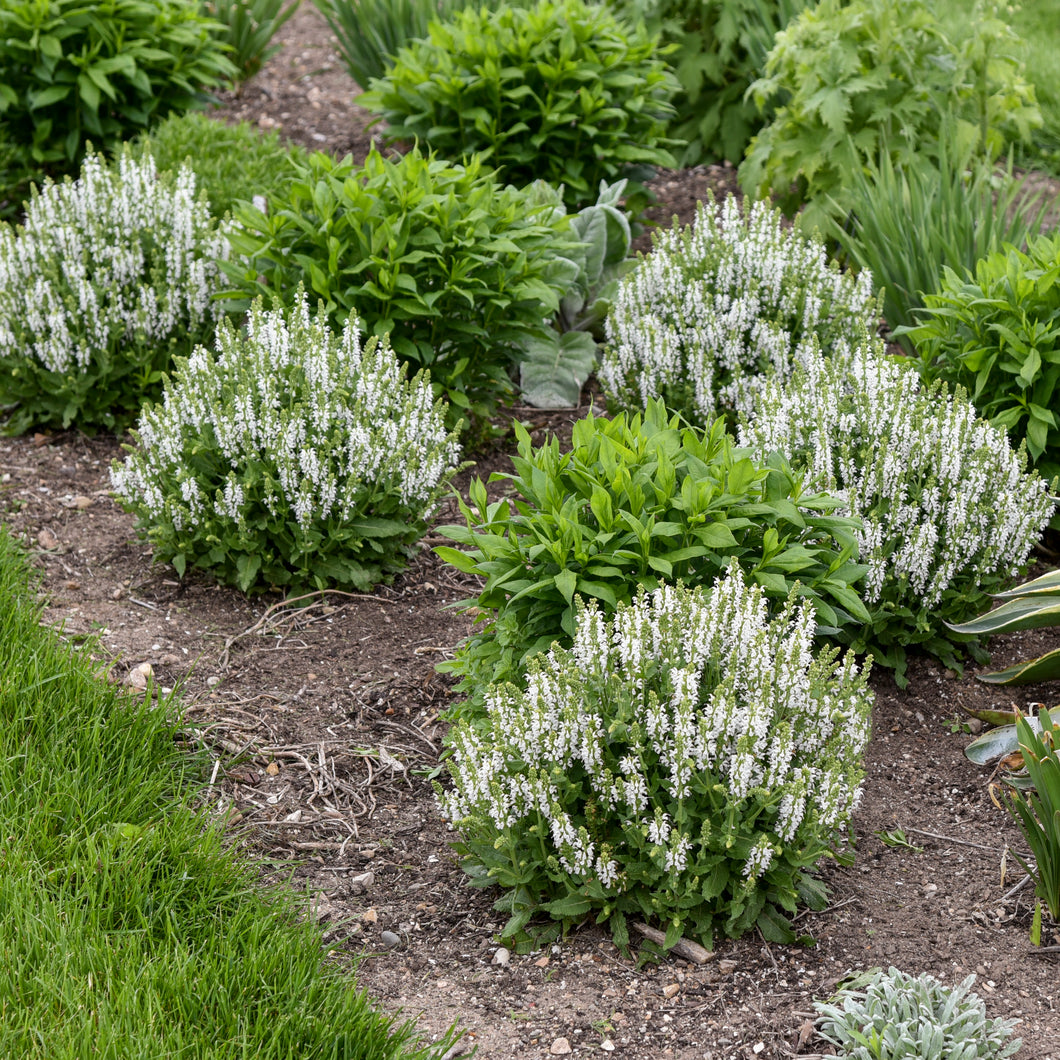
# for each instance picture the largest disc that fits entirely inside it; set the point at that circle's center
(562, 91)
(636, 502)
(248, 27)
(110, 276)
(719, 305)
(454, 268)
(686, 761)
(893, 1016)
(369, 33)
(74, 70)
(907, 223)
(850, 77)
(289, 458)
(231, 163)
(949, 512)
(997, 332)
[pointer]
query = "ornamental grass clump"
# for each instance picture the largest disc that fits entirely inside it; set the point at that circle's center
(290, 458)
(109, 277)
(687, 761)
(950, 511)
(717, 306)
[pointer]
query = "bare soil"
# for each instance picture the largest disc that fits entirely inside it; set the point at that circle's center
(324, 721)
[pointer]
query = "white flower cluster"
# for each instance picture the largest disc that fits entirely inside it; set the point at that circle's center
(942, 495)
(714, 308)
(114, 257)
(681, 687)
(323, 418)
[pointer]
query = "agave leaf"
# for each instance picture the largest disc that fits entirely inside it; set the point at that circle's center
(991, 717)
(1047, 584)
(996, 743)
(1044, 668)
(1021, 613)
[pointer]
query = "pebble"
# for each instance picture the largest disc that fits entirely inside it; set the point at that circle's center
(213, 682)
(502, 957)
(560, 1047)
(390, 940)
(360, 884)
(725, 967)
(607, 1045)
(370, 916)
(138, 676)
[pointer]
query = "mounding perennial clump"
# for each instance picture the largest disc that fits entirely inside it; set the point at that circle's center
(686, 761)
(110, 275)
(719, 305)
(950, 511)
(289, 458)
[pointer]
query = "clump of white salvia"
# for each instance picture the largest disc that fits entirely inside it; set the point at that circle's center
(894, 1016)
(947, 506)
(119, 256)
(287, 423)
(685, 700)
(718, 306)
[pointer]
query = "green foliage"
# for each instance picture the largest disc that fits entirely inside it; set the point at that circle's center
(454, 268)
(634, 503)
(231, 163)
(249, 26)
(849, 78)
(905, 224)
(997, 332)
(99, 70)
(562, 91)
(109, 277)
(290, 458)
(893, 1016)
(687, 762)
(369, 33)
(556, 361)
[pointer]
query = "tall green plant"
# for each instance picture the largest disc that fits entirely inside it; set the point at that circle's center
(249, 27)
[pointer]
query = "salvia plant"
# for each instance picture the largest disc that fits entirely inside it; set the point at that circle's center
(894, 1016)
(292, 457)
(949, 510)
(717, 307)
(687, 761)
(108, 278)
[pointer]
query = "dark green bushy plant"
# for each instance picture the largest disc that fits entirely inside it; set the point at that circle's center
(99, 70)
(231, 163)
(996, 332)
(561, 91)
(248, 29)
(453, 267)
(849, 77)
(634, 503)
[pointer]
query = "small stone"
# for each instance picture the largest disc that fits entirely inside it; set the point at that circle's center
(726, 967)
(169, 660)
(560, 1047)
(607, 1045)
(213, 682)
(360, 884)
(975, 726)
(71, 584)
(541, 962)
(370, 916)
(47, 540)
(81, 502)
(273, 768)
(502, 957)
(671, 990)
(138, 676)
(390, 940)
(116, 595)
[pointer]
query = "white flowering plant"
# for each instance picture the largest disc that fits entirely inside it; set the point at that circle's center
(949, 511)
(718, 306)
(110, 276)
(688, 760)
(290, 458)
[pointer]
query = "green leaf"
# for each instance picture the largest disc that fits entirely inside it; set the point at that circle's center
(570, 905)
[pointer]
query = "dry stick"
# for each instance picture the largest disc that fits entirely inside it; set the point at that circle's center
(691, 951)
(964, 842)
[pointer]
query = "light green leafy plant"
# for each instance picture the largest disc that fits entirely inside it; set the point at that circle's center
(718, 307)
(111, 275)
(291, 458)
(248, 29)
(893, 1016)
(562, 91)
(848, 77)
(996, 332)
(949, 511)
(687, 761)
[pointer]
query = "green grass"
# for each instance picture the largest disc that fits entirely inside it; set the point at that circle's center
(127, 929)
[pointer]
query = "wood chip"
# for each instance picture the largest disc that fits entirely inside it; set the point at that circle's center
(691, 951)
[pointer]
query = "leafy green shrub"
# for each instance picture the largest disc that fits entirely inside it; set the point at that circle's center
(248, 29)
(454, 268)
(369, 33)
(686, 761)
(231, 163)
(109, 277)
(907, 223)
(718, 306)
(849, 77)
(636, 502)
(290, 458)
(949, 512)
(893, 1016)
(997, 332)
(561, 91)
(74, 70)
